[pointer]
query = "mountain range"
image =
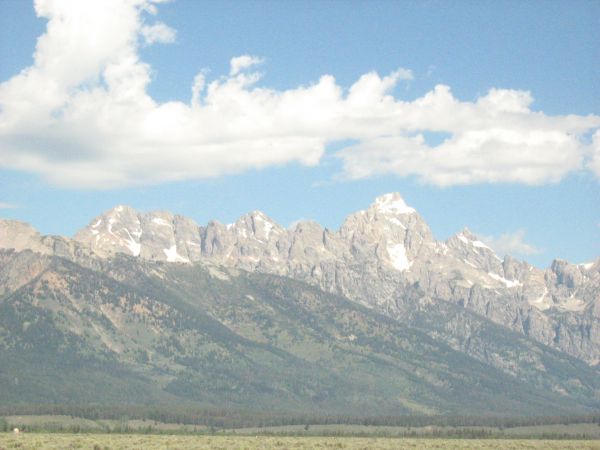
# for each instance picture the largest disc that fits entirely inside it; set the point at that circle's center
(377, 317)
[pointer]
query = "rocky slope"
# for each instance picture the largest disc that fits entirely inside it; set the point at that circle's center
(383, 257)
(130, 330)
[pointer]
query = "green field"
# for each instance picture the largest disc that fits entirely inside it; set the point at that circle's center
(26, 441)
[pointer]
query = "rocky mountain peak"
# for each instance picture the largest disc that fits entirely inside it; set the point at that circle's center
(388, 218)
(20, 236)
(570, 275)
(475, 253)
(120, 209)
(469, 242)
(117, 230)
(468, 234)
(157, 235)
(304, 226)
(120, 214)
(258, 225)
(391, 203)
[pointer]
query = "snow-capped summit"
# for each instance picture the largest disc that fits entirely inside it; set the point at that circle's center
(117, 230)
(156, 235)
(392, 203)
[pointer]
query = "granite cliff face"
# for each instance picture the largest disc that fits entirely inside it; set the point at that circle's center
(384, 257)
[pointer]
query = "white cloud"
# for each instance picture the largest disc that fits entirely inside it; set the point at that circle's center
(81, 116)
(242, 62)
(158, 32)
(4, 205)
(594, 164)
(510, 244)
(495, 139)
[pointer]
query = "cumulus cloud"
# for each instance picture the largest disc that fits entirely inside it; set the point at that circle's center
(158, 32)
(495, 139)
(242, 62)
(594, 164)
(510, 244)
(81, 116)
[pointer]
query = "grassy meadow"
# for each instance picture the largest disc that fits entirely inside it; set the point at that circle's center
(54, 441)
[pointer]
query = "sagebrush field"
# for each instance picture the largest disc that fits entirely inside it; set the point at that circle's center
(149, 442)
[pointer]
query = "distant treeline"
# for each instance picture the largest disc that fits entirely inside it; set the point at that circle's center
(234, 418)
(436, 433)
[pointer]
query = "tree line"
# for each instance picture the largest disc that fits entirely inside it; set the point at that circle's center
(219, 418)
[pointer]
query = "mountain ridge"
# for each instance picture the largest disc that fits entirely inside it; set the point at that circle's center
(375, 255)
(205, 334)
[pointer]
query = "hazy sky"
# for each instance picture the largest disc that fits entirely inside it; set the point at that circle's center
(481, 114)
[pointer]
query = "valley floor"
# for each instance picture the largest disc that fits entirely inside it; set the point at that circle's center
(30, 441)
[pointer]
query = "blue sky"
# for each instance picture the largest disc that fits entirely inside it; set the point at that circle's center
(510, 167)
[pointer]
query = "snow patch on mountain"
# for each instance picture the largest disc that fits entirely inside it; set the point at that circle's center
(508, 283)
(469, 239)
(173, 256)
(268, 226)
(398, 258)
(542, 302)
(396, 222)
(468, 263)
(163, 222)
(479, 244)
(133, 246)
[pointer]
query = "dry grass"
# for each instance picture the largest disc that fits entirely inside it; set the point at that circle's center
(30, 441)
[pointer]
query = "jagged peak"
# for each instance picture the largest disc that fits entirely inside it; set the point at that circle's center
(119, 209)
(467, 237)
(467, 234)
(255, 215)
(111, 216)
(301, 225)
(258, 214)
(15, 228)
(15, 222)
(159, 213)
(558, 264)
(161, 218)
(392, 203)
(256, 222)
